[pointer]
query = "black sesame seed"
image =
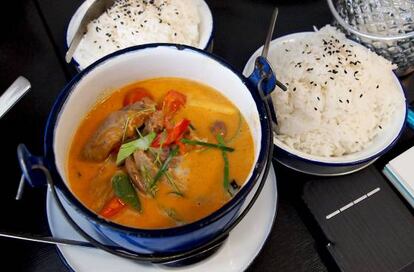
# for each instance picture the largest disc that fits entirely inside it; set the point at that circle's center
(309, 69)
(326, 82)
(345, 72)
(360, 96)
(318, 98)
(294, 89)
(286, 50)
(340, 100)
(331, 78)
(350, 90)
(311, 82)
(380, 127)
(327, 66)
(315, 108)
(377, 86)
(347, 101)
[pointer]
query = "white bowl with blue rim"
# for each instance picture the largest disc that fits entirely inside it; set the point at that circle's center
(205, 27)
(131, 65)
(333, 166)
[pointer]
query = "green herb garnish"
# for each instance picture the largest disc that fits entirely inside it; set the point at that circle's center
(226, 181)
(172, 213)
(170, 180)
(129, 148)
(222, 147)
(124, 189)
(125, 129)
(164, 167)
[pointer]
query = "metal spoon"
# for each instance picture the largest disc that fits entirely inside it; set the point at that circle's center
(269, 36)
(13, 94)
(45, 240)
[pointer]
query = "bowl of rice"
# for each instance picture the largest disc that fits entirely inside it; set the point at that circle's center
(135, 22)
(343, 108)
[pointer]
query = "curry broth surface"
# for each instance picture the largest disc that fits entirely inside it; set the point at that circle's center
(202, 187)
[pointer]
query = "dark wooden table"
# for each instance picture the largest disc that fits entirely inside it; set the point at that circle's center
(32, 44)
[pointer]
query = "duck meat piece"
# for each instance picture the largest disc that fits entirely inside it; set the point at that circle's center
(144, 162)
(134, 174)
(141, 169)
(111, 131)
(155, 123)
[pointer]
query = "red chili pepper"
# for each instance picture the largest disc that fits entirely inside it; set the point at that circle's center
(173, 101)
(114, 206)
(181, 147)
(135, 95)
(173, 135)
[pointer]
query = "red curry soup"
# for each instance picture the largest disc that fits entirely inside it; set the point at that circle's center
(160, 153)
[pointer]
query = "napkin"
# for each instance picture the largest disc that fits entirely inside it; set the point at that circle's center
(400, 171)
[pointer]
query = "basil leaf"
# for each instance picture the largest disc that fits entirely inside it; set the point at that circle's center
(143, 143)
(164, 167)
(124, 189)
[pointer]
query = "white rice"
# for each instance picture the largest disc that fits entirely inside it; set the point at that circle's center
(339, 97)
(134, 22)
